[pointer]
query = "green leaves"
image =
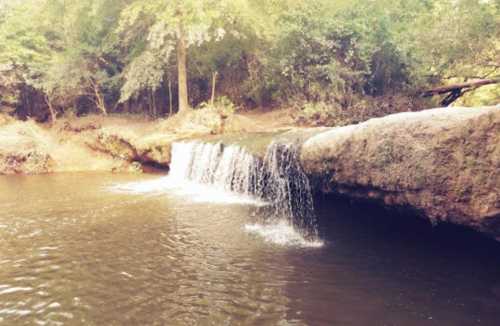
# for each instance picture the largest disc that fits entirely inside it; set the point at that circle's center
(206, 23)
(264, 51)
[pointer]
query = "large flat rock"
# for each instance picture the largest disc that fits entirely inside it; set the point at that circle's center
(444, 163)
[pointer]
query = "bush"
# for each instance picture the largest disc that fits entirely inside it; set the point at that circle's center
(223, 105)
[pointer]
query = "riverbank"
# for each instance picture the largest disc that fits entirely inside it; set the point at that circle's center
(443, 164)
(116, 143)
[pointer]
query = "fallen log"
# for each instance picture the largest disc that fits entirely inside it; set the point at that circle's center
(454, 91)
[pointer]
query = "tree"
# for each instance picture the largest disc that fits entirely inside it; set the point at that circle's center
(24, 50)
(457, 39)
(86, 63)
(179, 25)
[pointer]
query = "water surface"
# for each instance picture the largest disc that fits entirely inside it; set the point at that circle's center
(75, 251)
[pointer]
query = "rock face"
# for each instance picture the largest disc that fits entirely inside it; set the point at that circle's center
(153, 149)
(443, 163)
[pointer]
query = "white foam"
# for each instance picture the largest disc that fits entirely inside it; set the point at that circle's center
(283, 234)
(194, 191)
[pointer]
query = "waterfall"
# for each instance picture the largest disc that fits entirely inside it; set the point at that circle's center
(277, 178)
(287, 187)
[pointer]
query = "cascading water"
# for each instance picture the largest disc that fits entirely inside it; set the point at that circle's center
(227, 168)
(277, 178)
(287, 187)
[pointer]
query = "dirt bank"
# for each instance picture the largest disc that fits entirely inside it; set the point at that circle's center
(121, 143)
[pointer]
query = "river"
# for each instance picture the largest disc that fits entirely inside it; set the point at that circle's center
(110, 249)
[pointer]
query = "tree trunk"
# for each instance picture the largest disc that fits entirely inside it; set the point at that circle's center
(53, 116)
(455, 91)
(148, 100)
(155, 111)
(214, 80)
(170, 100)
(454, 87)
(182, 70)
(99, 99)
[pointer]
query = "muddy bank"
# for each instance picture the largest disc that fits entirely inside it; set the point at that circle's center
(442, 163)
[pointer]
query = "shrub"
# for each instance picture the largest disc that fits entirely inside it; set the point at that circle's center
(223, 105)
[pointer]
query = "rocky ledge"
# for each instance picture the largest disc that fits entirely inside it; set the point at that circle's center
(443, 163)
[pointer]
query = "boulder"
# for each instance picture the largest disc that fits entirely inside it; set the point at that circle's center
(443, 163)
(25, 162)
(155, 149)
(24, 149)
(114, 145)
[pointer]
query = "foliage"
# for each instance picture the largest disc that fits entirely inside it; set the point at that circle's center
(205, 24)
(333, 114)
(319, 114)
(223, 105)
(340, 56)
(458, 39)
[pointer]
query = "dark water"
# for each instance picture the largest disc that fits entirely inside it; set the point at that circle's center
(72, 252)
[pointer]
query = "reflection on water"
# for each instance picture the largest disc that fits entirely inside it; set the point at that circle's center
(74, 252)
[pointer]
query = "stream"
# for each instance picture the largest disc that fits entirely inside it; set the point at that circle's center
(108, 249)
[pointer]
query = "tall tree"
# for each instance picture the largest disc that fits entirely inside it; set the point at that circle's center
(179, 25)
